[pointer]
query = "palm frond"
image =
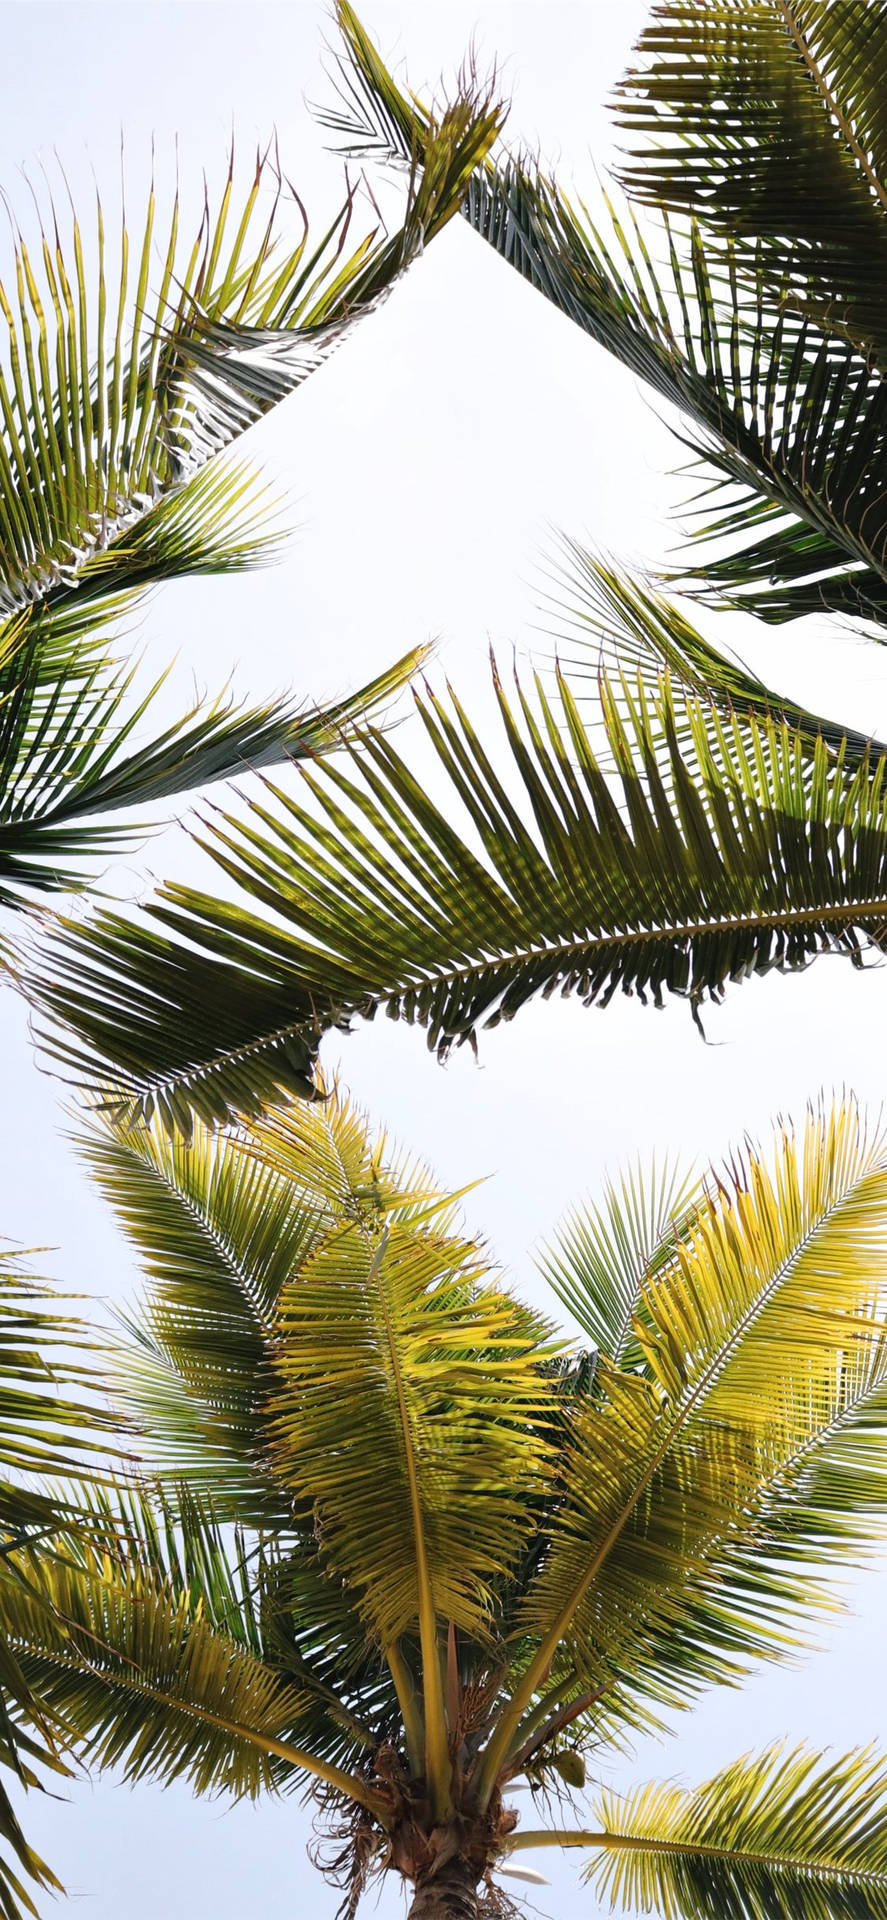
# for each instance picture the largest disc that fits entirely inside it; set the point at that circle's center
(51, 1423)
(659, 884)
(139, 1676)
(403, 1387)
(110, 410)
(49, 1373)
(766, 119)
(706, 1492)
(218, 1235)
(605, 621)
(787, 1834)
(68, 759)
(789, 412)
(107, 416)
(602, 1255)
(220, 1224)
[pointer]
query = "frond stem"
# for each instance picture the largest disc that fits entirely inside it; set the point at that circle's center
(819, 80)
(437, 1753)
(556, 1724)
(409, 1706)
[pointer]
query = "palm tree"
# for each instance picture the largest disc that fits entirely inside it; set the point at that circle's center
(411, 1545)
(116, 401)
(696, 827)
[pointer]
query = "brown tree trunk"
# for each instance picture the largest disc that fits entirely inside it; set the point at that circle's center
(450, 1894)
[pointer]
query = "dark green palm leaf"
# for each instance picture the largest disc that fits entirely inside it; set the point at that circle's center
(766, 119)
(662, 884)
(68, 759)
(789, 413)
(605, 622)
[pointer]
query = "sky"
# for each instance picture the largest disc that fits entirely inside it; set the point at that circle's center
(423, 472)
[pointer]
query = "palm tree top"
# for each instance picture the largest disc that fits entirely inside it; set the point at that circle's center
(465, 1549)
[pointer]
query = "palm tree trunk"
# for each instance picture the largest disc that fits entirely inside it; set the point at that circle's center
(450, 1894)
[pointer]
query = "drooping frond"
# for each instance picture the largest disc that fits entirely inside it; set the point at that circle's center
(793, 424)
(68, 757)
(788, 1834)
(110, 406)
(112, 403)
(766, 118)
(789, 413)
(131, 1664)
(655, 883)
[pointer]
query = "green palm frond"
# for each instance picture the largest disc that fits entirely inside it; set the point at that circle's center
(220, 1225)
(112, 404)
(68, 759)
(404, 1389)
(51, 1419)
(108, 414)
(218, 1235)
(639, 1530)
(789, 413)
(401, 1385)
(790, 420)
(657, 883)
(15, 1900)
(706, 1492)
(51, 1423)
(606, 622)
(766, 118)
(787, 1834)
(602, 1255)
(129, 1663)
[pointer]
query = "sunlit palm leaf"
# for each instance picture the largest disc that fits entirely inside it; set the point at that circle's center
(404, 1388)
(705, 1490)
(782, 1835)
(220, 1226)
(602, 1255)
(146, 1647)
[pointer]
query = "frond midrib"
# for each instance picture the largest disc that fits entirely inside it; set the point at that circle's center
(747, 1856)
(843, 912)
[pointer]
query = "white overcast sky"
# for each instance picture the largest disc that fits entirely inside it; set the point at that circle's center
(423, 470)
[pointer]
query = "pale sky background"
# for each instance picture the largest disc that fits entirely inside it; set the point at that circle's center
(423, 469)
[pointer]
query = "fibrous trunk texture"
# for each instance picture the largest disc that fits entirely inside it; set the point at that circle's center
(450, 1894)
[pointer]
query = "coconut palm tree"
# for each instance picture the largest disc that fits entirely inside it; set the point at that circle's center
(132, 361)
(412, 1545)
(697, 827)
